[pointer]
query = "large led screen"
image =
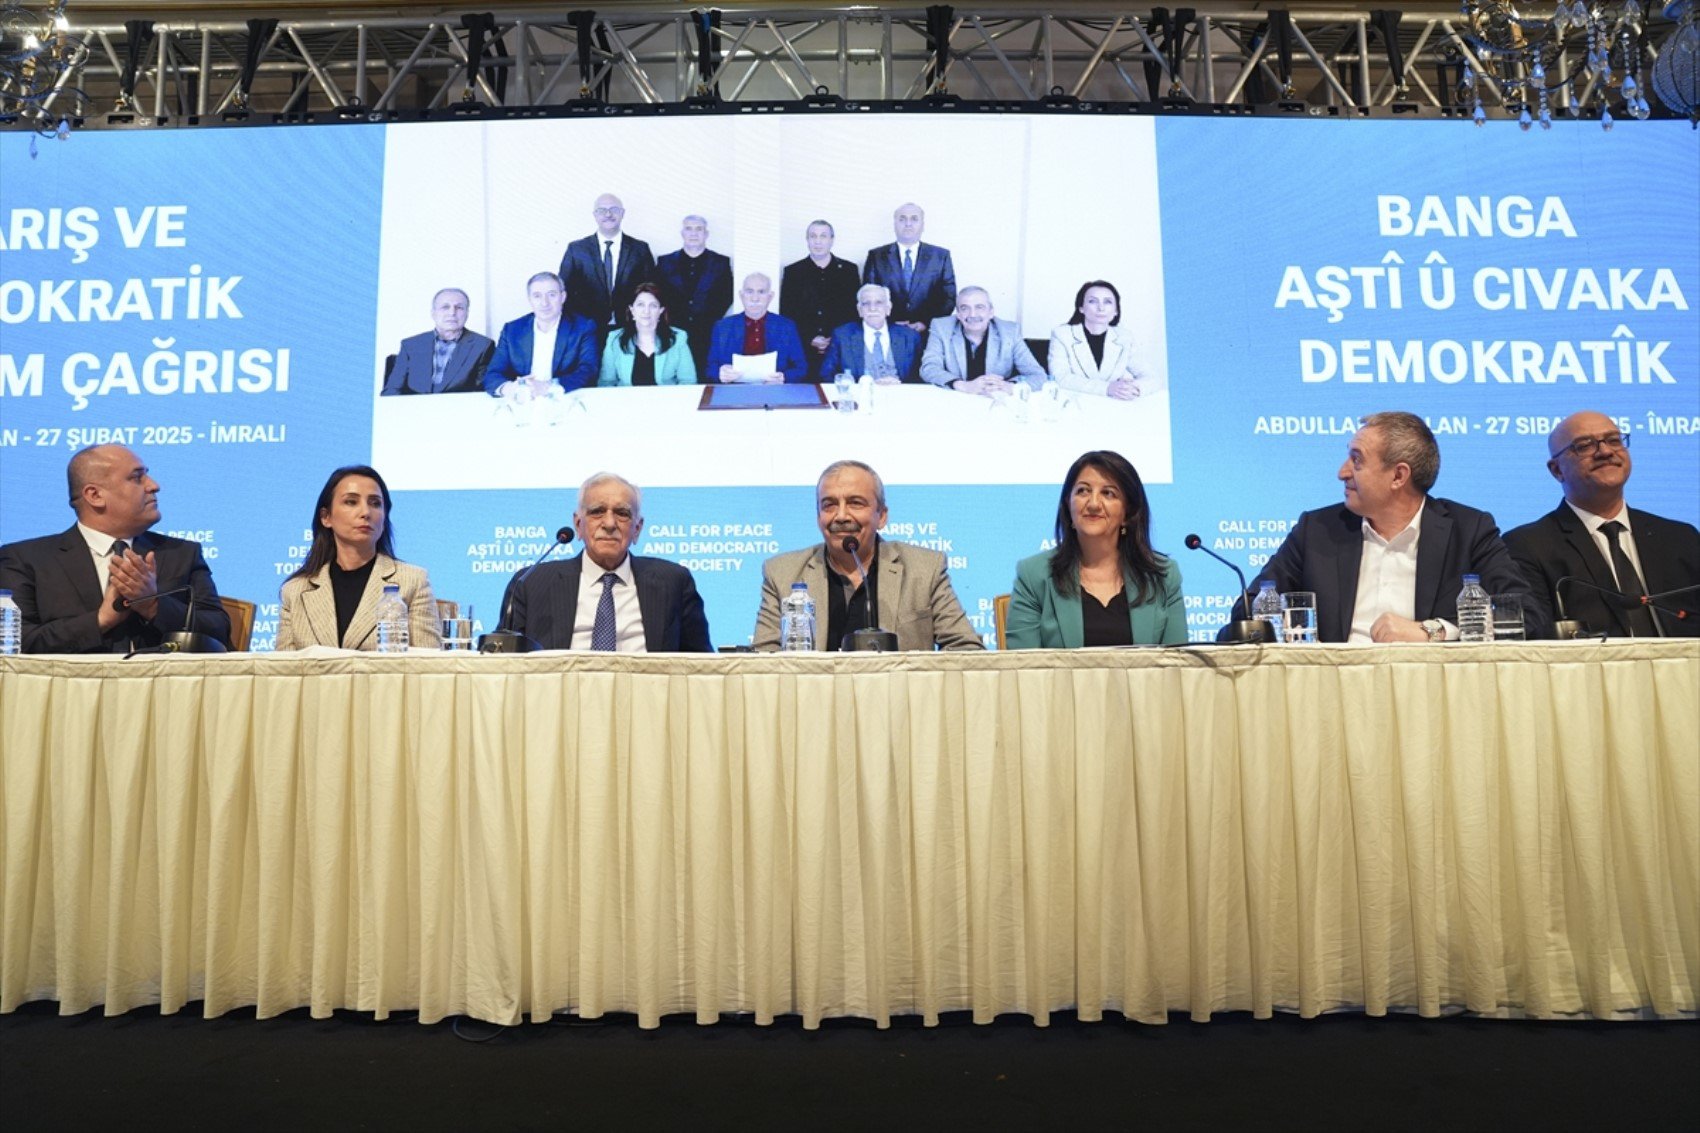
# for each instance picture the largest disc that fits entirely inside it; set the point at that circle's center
(227, 301)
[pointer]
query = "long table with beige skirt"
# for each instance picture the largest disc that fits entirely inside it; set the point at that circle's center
(1506, 829)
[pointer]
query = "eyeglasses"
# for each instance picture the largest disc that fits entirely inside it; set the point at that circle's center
(616, 211)
(1585, 446)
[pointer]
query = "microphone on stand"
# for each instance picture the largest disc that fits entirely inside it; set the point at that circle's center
(1240, 631)
(1566, 628)
(185, 640)
(502, 639)
(1651, 601)
(872, 639)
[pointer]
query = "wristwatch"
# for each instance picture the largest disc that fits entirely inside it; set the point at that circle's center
(1436, 630)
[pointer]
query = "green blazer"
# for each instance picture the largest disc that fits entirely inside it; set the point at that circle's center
(1041, 618)
(673, 366)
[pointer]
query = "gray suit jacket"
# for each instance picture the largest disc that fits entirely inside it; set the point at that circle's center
(308, 616)
(946, 356)
(915, 596)
(464, 373)
(543, 604)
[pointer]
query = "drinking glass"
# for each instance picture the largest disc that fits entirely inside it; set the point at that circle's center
(845, 386)
(1508, 617)
(1299, 609)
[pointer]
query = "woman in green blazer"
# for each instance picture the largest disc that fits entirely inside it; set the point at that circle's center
(646, 351)
(1103, 585)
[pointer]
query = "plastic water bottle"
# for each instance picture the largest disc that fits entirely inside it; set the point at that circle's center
(797, 620)
(1266, 608)
(392, 622)
(1475, 611)
(11, 625)
(1050, 399)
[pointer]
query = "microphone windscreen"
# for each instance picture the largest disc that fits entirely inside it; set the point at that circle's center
(564, 535)
(1193, 542)
(850, 545)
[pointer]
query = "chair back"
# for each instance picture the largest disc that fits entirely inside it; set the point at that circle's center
(1000, 615)
(241, 615)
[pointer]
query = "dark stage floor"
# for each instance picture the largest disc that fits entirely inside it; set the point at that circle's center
(145, 1071)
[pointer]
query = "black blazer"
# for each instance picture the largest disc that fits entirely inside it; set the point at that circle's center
(694, 308)
(1558, 545)
(465, 373)
(542, 605)
(1323, 551)
(55, 585)
(587, 291)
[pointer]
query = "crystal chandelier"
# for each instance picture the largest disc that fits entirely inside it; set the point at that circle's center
(1528, 57)
(1676, 78)
(38, 56)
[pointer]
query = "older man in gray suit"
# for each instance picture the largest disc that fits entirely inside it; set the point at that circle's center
(446, 359)
(975, 352)
(915, 595)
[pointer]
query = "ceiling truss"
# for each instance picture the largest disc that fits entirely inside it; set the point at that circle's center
(1219, 60)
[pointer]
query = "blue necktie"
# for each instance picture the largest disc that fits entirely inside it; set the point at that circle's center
(908, 268)
(608, 265)
(602, 629)
(880, 369)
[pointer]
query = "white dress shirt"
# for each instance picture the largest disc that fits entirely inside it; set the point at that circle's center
(543, 351)
(100, 547)
(872, 352)
(1625, 539)
(628, 615)
(1387, 578)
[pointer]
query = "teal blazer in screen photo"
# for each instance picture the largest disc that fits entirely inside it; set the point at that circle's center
(673, 366)
(1041, 618)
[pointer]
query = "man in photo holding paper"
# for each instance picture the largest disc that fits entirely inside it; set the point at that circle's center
(756, 346)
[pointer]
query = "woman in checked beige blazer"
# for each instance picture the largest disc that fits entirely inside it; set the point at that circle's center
(1094, 353)
(333, 599)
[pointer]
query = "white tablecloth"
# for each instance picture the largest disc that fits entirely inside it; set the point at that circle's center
(1513, 831)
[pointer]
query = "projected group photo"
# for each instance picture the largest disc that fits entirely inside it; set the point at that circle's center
(717, 311)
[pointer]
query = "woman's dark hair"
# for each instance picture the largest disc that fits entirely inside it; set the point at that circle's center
(628, 328)
(1138, 559)
(323, 550)
(1080, 301)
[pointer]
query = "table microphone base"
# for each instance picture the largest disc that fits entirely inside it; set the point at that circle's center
(184, 641)
(1246, 631)
(1569, 629)
(503, 641)
(869, 641)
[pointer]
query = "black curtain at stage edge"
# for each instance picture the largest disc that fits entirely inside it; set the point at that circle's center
(1339, 1072)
